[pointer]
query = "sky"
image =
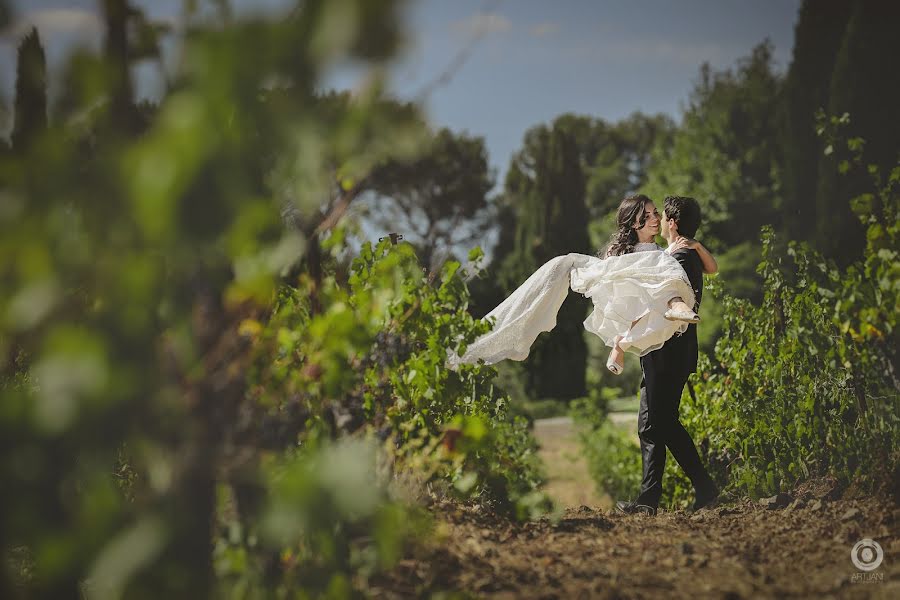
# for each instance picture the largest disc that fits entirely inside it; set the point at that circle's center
(525, 61)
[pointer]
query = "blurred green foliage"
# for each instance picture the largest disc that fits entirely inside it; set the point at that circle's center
(325, 524)
(154, 450)
(361, 357)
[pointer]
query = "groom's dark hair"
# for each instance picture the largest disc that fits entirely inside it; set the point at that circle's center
(686, 212)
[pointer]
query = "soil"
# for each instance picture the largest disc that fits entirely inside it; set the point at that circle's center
(796, 545)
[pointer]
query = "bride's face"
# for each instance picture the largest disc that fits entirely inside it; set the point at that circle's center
(651, 225)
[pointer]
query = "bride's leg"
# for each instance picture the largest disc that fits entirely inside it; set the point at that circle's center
(616, 361)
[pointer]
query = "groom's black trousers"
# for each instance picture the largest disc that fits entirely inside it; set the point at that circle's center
(665, 374)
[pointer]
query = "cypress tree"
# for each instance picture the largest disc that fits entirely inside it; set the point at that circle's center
(122, 112)
(817, 39)
(546, 184)
(566, 173)
(31, 93)
(865, 84)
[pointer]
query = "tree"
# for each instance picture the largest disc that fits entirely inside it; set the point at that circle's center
(865, 85)
(620, 162)
(545, 186)
(31, 93)
(440, 197)
(122, 114)
(725, 152)
(125, 272)
(817, 39)
(573, 172)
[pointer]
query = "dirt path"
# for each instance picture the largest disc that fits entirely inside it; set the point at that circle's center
(799, 548)
(568, 480)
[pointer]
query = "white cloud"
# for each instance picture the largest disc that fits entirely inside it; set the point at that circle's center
(482, 24)
(544, 29)
(57, 21)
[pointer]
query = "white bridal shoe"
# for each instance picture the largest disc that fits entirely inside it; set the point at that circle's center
(688, 316)
(613, 366)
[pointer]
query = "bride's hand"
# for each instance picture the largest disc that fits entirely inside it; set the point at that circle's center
(681, 242)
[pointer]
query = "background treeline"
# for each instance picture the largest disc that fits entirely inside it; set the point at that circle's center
(746, 147)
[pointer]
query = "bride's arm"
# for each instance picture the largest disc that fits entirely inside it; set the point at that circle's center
(710, 265)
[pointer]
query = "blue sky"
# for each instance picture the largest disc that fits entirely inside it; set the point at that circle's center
(529, 60)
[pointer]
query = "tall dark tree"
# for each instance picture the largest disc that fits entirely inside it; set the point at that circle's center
(571, 173)
(123, 115)
(5, 13)
(865, 84)
(546, 186)
(31, 93)
(817, 39)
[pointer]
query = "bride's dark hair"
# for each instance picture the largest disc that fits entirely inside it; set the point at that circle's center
(625, 237)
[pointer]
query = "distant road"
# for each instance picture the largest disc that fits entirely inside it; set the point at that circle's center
(568, 479)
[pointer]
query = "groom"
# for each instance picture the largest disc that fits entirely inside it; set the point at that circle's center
(665, 372)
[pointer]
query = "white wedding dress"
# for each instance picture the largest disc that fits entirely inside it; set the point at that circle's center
(629, 289)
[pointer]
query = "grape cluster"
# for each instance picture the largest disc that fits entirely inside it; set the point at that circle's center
(279, 428)
(389, 349)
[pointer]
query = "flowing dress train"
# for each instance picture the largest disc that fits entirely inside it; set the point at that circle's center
(630, 295)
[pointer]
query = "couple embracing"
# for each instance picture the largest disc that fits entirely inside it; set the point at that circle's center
(645, 301)
(667, 368)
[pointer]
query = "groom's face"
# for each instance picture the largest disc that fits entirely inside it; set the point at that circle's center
(667, 225)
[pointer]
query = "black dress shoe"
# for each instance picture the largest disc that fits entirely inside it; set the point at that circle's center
(633, 508)
(706, 498)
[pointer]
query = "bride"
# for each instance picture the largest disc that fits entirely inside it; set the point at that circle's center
(640, 293)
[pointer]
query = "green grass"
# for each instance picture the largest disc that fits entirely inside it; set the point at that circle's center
(543, 408)
(626, 404)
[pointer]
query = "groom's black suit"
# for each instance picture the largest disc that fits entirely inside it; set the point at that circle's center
(665, 372)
